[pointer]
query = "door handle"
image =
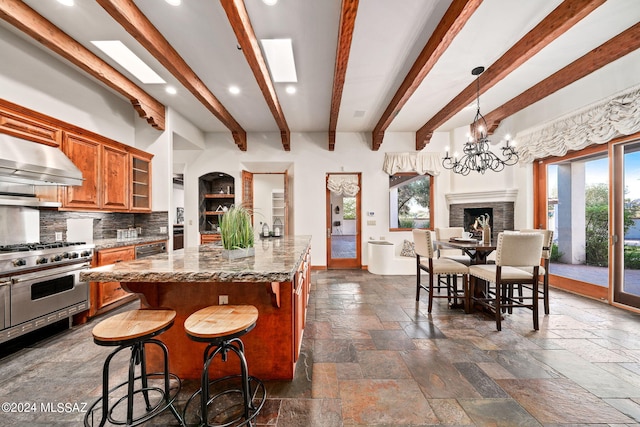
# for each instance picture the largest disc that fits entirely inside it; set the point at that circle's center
(328, 232)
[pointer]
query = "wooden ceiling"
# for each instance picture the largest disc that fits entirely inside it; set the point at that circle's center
(435, 32)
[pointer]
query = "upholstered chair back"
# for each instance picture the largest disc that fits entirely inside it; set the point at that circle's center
(423, 243)
(547, 240)
(519, 249)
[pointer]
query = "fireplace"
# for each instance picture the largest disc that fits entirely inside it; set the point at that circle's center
(500, 216)
(470, 220)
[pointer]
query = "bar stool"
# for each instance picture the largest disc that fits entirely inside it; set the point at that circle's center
(135, 329)
(221, 326)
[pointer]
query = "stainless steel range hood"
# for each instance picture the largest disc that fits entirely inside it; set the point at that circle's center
(27, 162)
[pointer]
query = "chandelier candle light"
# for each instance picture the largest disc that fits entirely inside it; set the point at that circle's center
(477, 155)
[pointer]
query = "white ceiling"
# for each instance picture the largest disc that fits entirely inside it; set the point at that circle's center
(387, 38)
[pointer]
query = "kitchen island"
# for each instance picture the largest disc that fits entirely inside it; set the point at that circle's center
(276, 281)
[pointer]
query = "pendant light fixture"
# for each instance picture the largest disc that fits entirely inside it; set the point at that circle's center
(476, 153)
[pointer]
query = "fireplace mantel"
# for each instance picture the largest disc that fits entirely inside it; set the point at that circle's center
(508, 195)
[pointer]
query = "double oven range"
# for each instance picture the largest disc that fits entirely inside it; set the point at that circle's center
(40, 285)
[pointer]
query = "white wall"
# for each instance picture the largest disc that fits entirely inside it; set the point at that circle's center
(37, 80)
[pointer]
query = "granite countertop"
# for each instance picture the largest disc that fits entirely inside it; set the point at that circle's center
(275, 261)
(115, 243)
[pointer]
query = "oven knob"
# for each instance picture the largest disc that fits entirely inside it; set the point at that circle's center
(65, 255)
(85, 253)
(41, 260)
(19, 262)
(56, 258)
(73, 255)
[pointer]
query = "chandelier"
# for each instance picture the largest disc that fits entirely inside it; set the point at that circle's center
(476, 153)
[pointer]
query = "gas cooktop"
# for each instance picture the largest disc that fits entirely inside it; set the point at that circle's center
(23, 247)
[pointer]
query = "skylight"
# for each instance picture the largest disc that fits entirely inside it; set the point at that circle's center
(129, 61)
(279, 54)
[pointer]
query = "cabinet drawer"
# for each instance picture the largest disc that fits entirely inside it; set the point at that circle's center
(112, 256)
(208, 238)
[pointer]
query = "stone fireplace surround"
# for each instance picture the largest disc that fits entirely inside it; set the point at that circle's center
(501, 203)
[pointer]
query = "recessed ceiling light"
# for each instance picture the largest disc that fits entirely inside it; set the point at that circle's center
(270, 2)
(234, 90)
(174, 2)
(127, 59)
(279, 54)
(66, 2)
(171, 90)
(291, 90)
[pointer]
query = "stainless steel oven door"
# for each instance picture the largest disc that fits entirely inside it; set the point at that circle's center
(5, 298)
(46, 291)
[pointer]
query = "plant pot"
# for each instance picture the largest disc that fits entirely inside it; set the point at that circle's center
(238, 253)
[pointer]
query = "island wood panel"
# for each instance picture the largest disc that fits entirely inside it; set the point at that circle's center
(269, 347)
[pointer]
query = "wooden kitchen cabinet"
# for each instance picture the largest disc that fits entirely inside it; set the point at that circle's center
(115, 178)
(140, 182)
(23, 123)
(104, 294)
(209, 238)
(86, 154)
(302, 284)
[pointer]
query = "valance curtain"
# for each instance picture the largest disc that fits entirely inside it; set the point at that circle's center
(421, 163)
(596, 124)
(344, 185)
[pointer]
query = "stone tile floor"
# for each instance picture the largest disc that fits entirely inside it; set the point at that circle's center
(372, 356)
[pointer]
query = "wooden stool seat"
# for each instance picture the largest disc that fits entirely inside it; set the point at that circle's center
(132, 325)
(220, 321)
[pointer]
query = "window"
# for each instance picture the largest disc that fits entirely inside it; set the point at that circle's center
(410, 201)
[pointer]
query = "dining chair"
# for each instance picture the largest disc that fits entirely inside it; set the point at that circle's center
(515, 254)
(543, 271)
(446, 233)
(425, 261)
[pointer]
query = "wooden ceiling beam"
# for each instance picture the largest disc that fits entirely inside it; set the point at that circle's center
(448, 28)
(345, 36)
(612, 50)
(560, 20)
(241, 24)
(36, 26)
(127, 14)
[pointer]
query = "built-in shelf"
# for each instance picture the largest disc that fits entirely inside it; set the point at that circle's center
(216, 195)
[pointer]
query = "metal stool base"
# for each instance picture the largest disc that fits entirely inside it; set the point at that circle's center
(228, 402)
(98, 414)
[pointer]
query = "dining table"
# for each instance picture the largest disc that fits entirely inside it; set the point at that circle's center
(477, 250)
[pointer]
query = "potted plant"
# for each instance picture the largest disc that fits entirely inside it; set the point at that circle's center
(237, 233)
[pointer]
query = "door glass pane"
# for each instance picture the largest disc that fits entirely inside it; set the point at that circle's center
(578, 197)
(343, 234)
(631, 282)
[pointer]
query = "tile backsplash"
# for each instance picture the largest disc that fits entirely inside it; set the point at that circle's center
(105, 224)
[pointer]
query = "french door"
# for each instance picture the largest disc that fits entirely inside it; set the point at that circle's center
(591, 200)
(625, 237)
